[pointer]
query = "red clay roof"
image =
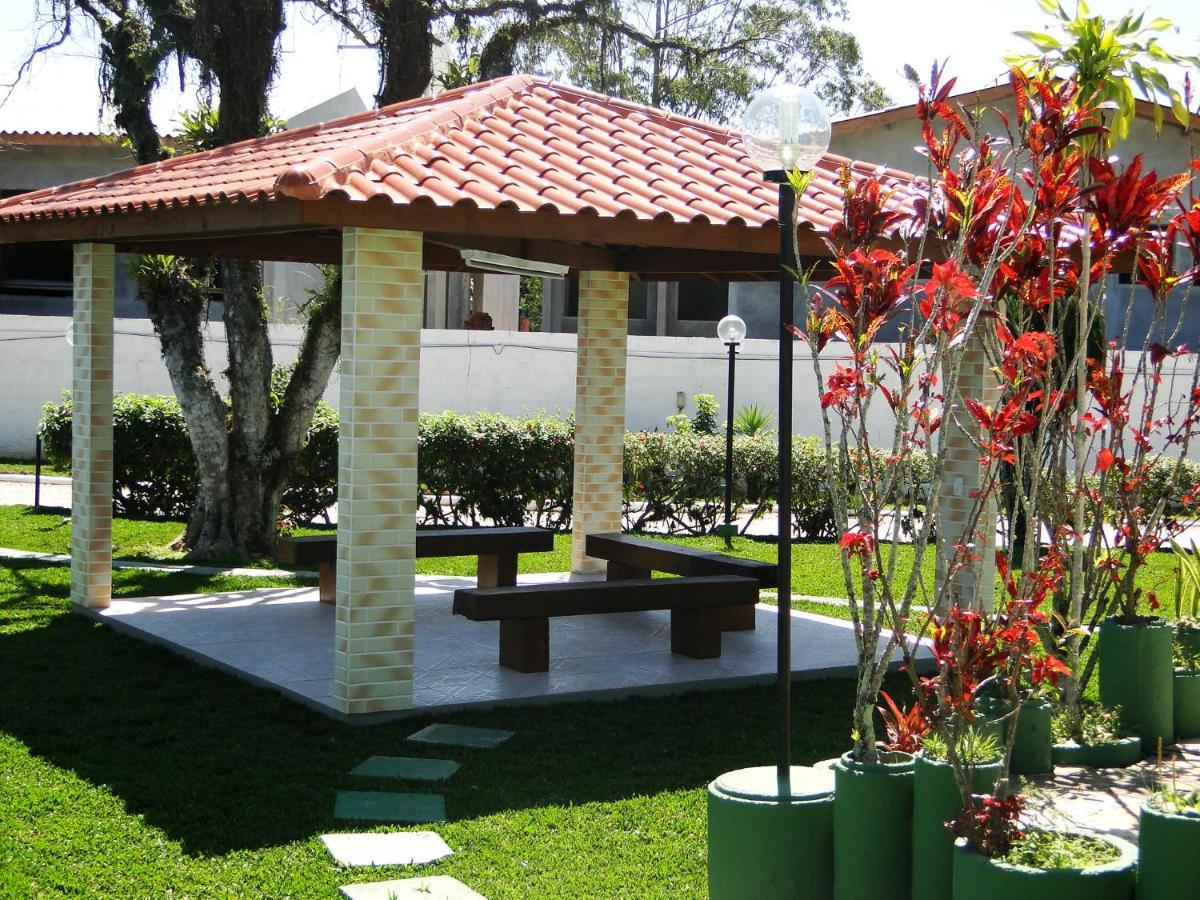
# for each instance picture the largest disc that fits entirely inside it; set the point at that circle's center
(519, 143)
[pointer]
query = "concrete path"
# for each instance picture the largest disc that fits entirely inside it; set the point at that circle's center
(237, 572)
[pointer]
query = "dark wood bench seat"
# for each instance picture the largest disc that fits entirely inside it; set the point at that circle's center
(497, 549)
(636, 557)
(524, 611)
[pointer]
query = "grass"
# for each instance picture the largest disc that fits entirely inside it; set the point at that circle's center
(126, 771)
(11, 466)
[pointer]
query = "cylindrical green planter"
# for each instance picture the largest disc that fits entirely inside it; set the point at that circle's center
(1188, 637)
(872, 826)
(989, 717)
(1168, 847)
(1118, 754)
(978, 878)
(764, 843)
(1186, 703)
(936, 801)
(1137, 674)
(1033, 746)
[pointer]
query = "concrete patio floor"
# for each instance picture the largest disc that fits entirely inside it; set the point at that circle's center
(282, 638)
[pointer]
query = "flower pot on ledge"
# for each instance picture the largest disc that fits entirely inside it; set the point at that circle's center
(936, 801)
(1168, 847)
(1118, 753)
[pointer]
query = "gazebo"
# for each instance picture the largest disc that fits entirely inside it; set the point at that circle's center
(518, 166)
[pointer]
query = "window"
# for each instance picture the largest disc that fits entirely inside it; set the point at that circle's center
(702, 301)
(30, 269)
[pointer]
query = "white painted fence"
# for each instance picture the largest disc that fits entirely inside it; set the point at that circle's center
(513, 373)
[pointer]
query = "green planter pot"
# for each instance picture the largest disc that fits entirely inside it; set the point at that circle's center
(1033, 746)
(872, 827)
(763, 843)
(989, 717)
(1137, 674)
(1188, 637)
(1186, 701)
(1168, 847)
(978, 878)
(1118, 754)
(935, 802)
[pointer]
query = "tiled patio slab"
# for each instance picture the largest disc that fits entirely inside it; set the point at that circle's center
(283, 638)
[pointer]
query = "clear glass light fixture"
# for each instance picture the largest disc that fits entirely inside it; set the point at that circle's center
(785, 127)
(731, 330)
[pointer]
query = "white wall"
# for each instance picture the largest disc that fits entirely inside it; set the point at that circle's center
(514, 373)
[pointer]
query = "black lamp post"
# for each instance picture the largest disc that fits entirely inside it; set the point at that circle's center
(732, 331)
(785, 129)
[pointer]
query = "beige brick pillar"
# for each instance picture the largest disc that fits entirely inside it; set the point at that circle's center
(599, 410)
(961, 480)
(91, 426)
(382, 294)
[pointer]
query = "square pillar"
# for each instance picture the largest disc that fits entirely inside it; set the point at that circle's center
(92, 425)
(962, 478)
(382, 307)
(599, 410)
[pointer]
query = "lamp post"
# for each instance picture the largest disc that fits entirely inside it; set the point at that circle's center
(732, 331)
(785, 128)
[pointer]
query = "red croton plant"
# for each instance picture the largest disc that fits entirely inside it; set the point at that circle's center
(998, 383)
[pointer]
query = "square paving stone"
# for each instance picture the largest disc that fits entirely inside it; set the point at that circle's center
(388, 806)
(435, 887)
(405, 848)
(410, 767)
(460, 736)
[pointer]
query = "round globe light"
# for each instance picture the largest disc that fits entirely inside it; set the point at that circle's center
(731, 330)
(785, 127)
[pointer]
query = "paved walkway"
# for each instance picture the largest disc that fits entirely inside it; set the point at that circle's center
(236, 571)
(1108, 800)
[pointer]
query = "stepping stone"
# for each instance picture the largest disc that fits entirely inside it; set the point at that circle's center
(405, 848)
(435, 887)
(410, 767)
(461, 736)
(386, 806)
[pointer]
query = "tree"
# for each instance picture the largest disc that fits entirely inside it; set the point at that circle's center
(696, 57)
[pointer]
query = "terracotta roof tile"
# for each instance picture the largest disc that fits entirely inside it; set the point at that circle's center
(516, 142)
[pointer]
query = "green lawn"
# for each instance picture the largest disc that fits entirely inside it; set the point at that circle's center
(9, 466)
(126, 771)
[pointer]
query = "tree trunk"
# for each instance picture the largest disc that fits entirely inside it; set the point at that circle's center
(405, 48)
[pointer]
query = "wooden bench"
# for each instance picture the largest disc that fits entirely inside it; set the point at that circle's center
(497, 549)
(635, 557)
(524, 612)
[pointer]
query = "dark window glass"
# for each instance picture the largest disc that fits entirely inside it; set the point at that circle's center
(703, 301)
(26, 268)
(639, 297)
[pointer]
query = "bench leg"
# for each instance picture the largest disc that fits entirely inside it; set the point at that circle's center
(498, 570)
(696, 632)
(327, 582)
(525, 644)
(737, 618)
(621, 572)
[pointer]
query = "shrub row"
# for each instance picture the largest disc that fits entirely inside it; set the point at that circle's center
(477, 468)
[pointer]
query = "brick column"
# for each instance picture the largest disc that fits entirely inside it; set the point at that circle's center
(91, 426)
(382, 294)
(599, 410)
(961, 479)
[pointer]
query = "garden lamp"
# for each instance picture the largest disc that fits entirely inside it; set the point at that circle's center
(732, 331)
(785, 128)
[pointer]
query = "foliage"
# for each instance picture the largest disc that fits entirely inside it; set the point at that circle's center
(991, 825)
(1108, 59)
(1094, 724)
(752, 420)
(705, 419)
(975, 747)
(906, 728)
(531, 301)
(1177, 802)
(1187, 581)
(1038, 849)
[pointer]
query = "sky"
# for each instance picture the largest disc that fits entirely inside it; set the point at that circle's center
(62, 94)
